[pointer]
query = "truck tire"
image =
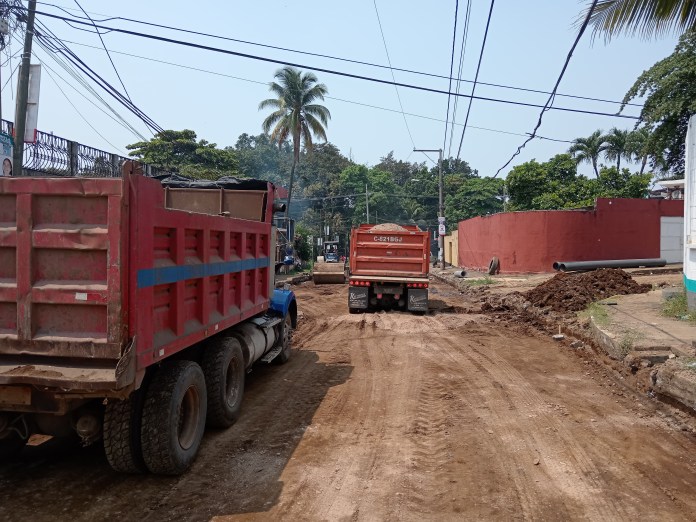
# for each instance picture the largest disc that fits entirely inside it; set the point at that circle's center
(10, 446)
(173, 417)
(223, 367)
(122, 424)
(285, 338)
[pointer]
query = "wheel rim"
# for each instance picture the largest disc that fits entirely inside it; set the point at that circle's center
(232, 382)
(189, 414)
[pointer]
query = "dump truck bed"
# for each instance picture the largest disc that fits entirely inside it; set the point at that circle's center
(101, 278)
(396, 254)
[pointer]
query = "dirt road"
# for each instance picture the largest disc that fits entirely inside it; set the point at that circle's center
(391, 416)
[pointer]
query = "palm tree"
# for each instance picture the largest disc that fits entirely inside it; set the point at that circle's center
(295, 114)
(588, 149)
(645, 17)
(615, 146)
(637, 146)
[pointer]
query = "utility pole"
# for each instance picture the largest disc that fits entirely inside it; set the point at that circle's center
(23, 91)
(440, 209)
(367, 204)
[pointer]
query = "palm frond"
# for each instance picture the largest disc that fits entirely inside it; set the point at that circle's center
(315, 126)
(319, 111)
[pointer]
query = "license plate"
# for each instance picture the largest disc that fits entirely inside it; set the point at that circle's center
(15, 395)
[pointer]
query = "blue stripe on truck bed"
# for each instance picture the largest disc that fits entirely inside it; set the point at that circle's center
(171, 274)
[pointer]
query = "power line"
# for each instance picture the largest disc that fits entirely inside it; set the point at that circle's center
(319, 55)
(449, 97)
(95, 77)
(107, 52)
(334, 72)
(462, 53)
(76, 109)
(122, 122)
(265, 84)
(374, 2)
(548, 103)
(478, 69)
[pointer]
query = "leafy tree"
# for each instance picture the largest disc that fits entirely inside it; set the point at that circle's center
(589, 149)
(669, 88)
(615, 183)
(475, 197)
(615, 146)
(525, 182)
(295, 114)
(259, 158)
(645, 17)
(179, 151)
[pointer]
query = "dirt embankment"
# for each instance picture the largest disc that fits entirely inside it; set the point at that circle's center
(573, 292)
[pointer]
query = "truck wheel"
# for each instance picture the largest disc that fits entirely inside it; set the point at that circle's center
(10, 446)
(285, 338)
(223, 367)
(122, 424)
(174, 417)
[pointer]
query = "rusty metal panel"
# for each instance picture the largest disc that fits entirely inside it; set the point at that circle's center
(60, 267)
(404, 253)
(240, 204)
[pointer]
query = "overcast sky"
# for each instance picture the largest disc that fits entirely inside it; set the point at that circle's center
(527, 45)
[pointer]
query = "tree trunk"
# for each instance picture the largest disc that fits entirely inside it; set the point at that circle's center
(643, 163)
(618, 163)
(292, 179)
(594, 166)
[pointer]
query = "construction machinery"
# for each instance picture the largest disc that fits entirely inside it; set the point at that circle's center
(328, 268)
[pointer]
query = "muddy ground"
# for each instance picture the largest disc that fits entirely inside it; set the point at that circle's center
(392, 416)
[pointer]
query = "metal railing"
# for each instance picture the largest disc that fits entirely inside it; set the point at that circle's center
(51, 155)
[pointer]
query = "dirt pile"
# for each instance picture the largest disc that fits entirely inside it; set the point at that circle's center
(388, 227)
(573, 292)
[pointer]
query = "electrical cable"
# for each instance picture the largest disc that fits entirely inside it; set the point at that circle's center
(449, 97)
(353, 102)
(462, 53)
(95, 77)
(318, 55)
(126, 126)
(107, 51)
(398, 96)
(74, 107)
(478, 69)
(65, 51)
(338, 73)
(547, 106)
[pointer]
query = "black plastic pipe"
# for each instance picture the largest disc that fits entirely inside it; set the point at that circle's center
(576, 266)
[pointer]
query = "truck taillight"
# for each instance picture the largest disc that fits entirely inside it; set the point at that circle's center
(359, 283)
(417, 285)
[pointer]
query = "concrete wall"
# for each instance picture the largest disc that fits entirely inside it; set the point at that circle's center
(532, 241)
(452, 249)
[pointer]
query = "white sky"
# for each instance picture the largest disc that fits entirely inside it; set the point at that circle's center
(527, 44)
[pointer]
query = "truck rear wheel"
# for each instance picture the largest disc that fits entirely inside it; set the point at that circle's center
(122, 424)
(223, 367)
(285, 339)
(174, 417)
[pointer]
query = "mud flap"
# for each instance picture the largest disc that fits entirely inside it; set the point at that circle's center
(358, 297)
(418, 299)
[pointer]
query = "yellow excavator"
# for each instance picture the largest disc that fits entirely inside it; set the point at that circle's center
(329, 269)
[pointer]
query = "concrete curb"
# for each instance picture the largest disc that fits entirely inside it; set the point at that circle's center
(676, 381)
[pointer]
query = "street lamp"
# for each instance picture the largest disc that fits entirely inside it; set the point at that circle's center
(441, 210)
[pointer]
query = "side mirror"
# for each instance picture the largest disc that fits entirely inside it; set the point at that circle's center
(278, 207)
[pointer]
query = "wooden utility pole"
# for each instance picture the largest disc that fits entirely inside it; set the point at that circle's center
(23, 92)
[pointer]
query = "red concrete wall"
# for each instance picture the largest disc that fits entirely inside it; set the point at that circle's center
(531, 241)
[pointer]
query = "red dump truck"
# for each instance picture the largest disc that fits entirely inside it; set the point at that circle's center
(388, 268)
(131, 308)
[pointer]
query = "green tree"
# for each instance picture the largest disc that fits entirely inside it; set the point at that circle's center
(589, 149)
(295, 114)
(475, 197)
(524, 183)
(616, 146)
(669, 89)
(644, 17)
(179, 151)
